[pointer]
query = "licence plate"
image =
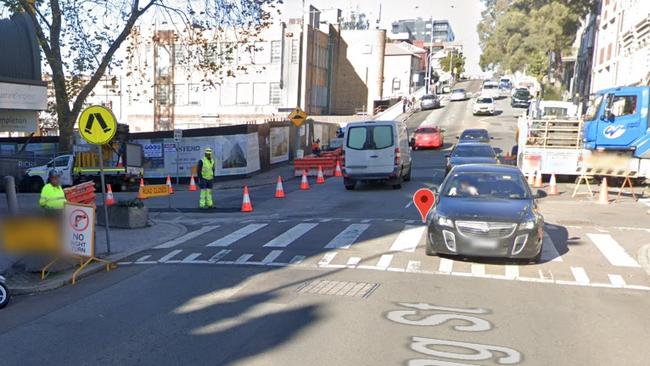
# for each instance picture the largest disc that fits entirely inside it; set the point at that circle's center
(484, 244)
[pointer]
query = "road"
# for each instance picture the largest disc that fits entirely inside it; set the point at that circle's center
(335, 277)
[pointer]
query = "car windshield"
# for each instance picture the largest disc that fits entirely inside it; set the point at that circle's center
(490, 86)
(522, 94)
(473, 150)
(427, 130)
(484, 100)
(475, 135)
(486, 185)
(429, 97)
(459, 90)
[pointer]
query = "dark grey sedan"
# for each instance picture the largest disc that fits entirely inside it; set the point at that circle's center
(471, 153)
(485, 211)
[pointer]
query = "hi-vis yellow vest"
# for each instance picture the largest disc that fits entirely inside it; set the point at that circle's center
(207, 171)
(52, 197)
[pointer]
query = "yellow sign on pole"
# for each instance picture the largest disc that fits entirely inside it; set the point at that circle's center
(297, 117)
(97, 125)
(156, 190)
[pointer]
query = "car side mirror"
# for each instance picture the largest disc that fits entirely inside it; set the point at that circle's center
(447, 156)
(491, 138)
(457, 137)
(540, 193)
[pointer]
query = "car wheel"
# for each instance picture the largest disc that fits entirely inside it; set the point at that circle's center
(36, 184)
(398, 185)
(4, 296)
(407, 177)
(349, 184)
(428, 250)
(537, 258)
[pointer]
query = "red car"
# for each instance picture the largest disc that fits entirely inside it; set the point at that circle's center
(428, 138)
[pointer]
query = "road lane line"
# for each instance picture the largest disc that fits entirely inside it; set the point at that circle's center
(169, 256)
(290, 235)
(413, 266)
(446, 265)
(327, 258)
(347, 237)
(580, 275)
(143, 258)
(236, 235)
(217, 257)
(189, 236)
(243, 259)
(549, 251)
(613, 251)
(191, 257)
(512, 271)
(272, 256)
(353, 261)
(408, 239)
(616, 280)
(478, 269)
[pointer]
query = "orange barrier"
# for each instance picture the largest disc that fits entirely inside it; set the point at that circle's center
(310, 164)
(81, 193)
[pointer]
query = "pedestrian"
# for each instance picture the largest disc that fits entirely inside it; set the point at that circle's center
(206, 172)
(315, 147)
(404, 104)
(52, 196)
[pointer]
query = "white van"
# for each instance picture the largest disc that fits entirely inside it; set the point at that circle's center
(376, 151)
(491, 89)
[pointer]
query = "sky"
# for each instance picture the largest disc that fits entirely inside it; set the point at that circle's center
(464, 16)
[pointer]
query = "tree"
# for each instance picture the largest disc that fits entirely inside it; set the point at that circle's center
(80, 39)
(453, 60)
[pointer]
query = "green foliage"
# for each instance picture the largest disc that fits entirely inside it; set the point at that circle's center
(454, 59)
(518, 34)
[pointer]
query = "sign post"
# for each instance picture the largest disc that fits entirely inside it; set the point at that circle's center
(178, 136)
(297, 117)
(98, 125)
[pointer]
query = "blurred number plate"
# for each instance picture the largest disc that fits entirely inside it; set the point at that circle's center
(484, 244)
(30, 235)
(158, 190)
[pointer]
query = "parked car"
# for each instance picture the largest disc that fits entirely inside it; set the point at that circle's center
(521, 99)
(4, 293)
(470, 153)
(487, 211)
(458, 95)
(376, 151)
(429, 101)
(474, 135)
(428, 138)
(484, 105)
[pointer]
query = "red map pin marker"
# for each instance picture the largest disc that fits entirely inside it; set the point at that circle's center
(424, 200)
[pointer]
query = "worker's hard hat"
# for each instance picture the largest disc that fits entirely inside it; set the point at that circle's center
(208, 150)
(54, 173)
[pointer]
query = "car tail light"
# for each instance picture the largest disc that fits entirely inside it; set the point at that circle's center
(398, 156)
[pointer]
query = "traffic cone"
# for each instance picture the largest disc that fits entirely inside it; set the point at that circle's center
(120, 164)
(603, 195)
(246, 205)
(337, 171)
(279, 190)
(169, 184)
(141, 182)
(538, 180)
(304, 184)
(140, 195)
(320, 179)
(192, 184)
(552, 187)
(110, 201)
(531, 179)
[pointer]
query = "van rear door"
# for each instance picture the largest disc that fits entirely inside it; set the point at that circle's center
(370, 149)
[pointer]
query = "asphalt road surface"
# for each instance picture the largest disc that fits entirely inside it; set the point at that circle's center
(335, 277)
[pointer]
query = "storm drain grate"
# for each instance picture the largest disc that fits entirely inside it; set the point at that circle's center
(338, 288)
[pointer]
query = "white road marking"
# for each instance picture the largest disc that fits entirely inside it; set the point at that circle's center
(189, 236)
(353, 261)
(143, 258)
(580, 275)
(222, 253)
(616, 280)
(408, 239)
(409, 204)
(169, 256)
(297, 259)
(413, 266)
(236, 235)
(549, 251)
(347, 237)
(272, 256)
(243, 259)
(446, 265)
(478, 269)
(512, 271)
(325, 220)
(365, 221)
(613, 251)
(191, 257)
(327, 258)
(290, 235)
(384, 261)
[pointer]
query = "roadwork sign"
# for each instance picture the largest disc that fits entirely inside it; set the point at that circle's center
(297, 117)
(79, 230)
(156, 190)
(97, 125)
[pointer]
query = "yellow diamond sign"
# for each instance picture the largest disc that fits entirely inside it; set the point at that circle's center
(97, 125)
(297, 117)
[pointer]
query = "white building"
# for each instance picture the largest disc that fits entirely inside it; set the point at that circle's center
(403, 63)
(622, 47)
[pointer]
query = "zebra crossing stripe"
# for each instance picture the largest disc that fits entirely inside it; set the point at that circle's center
(191, 257)
(243, 259)
(327, 259)
(189, 236)
(408, 239)
(353, 262)
(143, 258)
(347, 237)
(272, 256)
(297, 259)
(169, 256)
(290, 235)
(413, 266)
(613, 251)
(580, 275)
(512, 272)
(446, 265)
(616, 280)
(236, 235)
(217, 257)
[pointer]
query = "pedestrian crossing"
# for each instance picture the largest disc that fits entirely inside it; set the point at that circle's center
(582, 257)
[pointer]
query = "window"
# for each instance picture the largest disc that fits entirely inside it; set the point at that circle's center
(370, 137)
(244, 55)
(262, 53)
(275, 94)
(276, 51)
(244, 93)
(397, 84)
(195, 94)
(295, 49)
(61, 161)
(180, 94)
(180, 52)
(594, 106)
(623, 105)
(260, 94)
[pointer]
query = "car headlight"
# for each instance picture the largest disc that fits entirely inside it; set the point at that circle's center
(527, 225)
(444, 221)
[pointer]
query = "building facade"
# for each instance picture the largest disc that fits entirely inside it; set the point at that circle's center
(403, 69)
(424, 30)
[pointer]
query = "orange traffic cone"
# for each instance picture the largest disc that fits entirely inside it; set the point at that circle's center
(531, 179)
(110, 201)
(141, 182)
(192, 184)
(304, 184)
(538, 180)
(246, 205)
(120, 164)
(279, 190)
(552, 187)
(337, 171)
(603, 195)
(169, 184)
(320, 179)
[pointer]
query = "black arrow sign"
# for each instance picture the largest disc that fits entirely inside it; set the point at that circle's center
(100, 120)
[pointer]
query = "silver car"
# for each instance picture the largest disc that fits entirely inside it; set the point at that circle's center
(429, 101)
(458, 95)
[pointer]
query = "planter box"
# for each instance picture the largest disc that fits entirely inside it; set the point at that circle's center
(124, 217)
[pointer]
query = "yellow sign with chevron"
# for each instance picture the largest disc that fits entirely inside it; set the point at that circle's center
(297, 117)
(97, 125)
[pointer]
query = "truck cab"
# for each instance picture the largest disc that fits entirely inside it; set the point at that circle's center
(617, 119)
(63, 164)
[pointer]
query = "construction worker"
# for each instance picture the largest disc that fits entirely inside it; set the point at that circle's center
(206, 172)
(52, 196)
(315, 147)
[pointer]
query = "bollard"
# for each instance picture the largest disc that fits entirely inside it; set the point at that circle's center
(10, 191)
